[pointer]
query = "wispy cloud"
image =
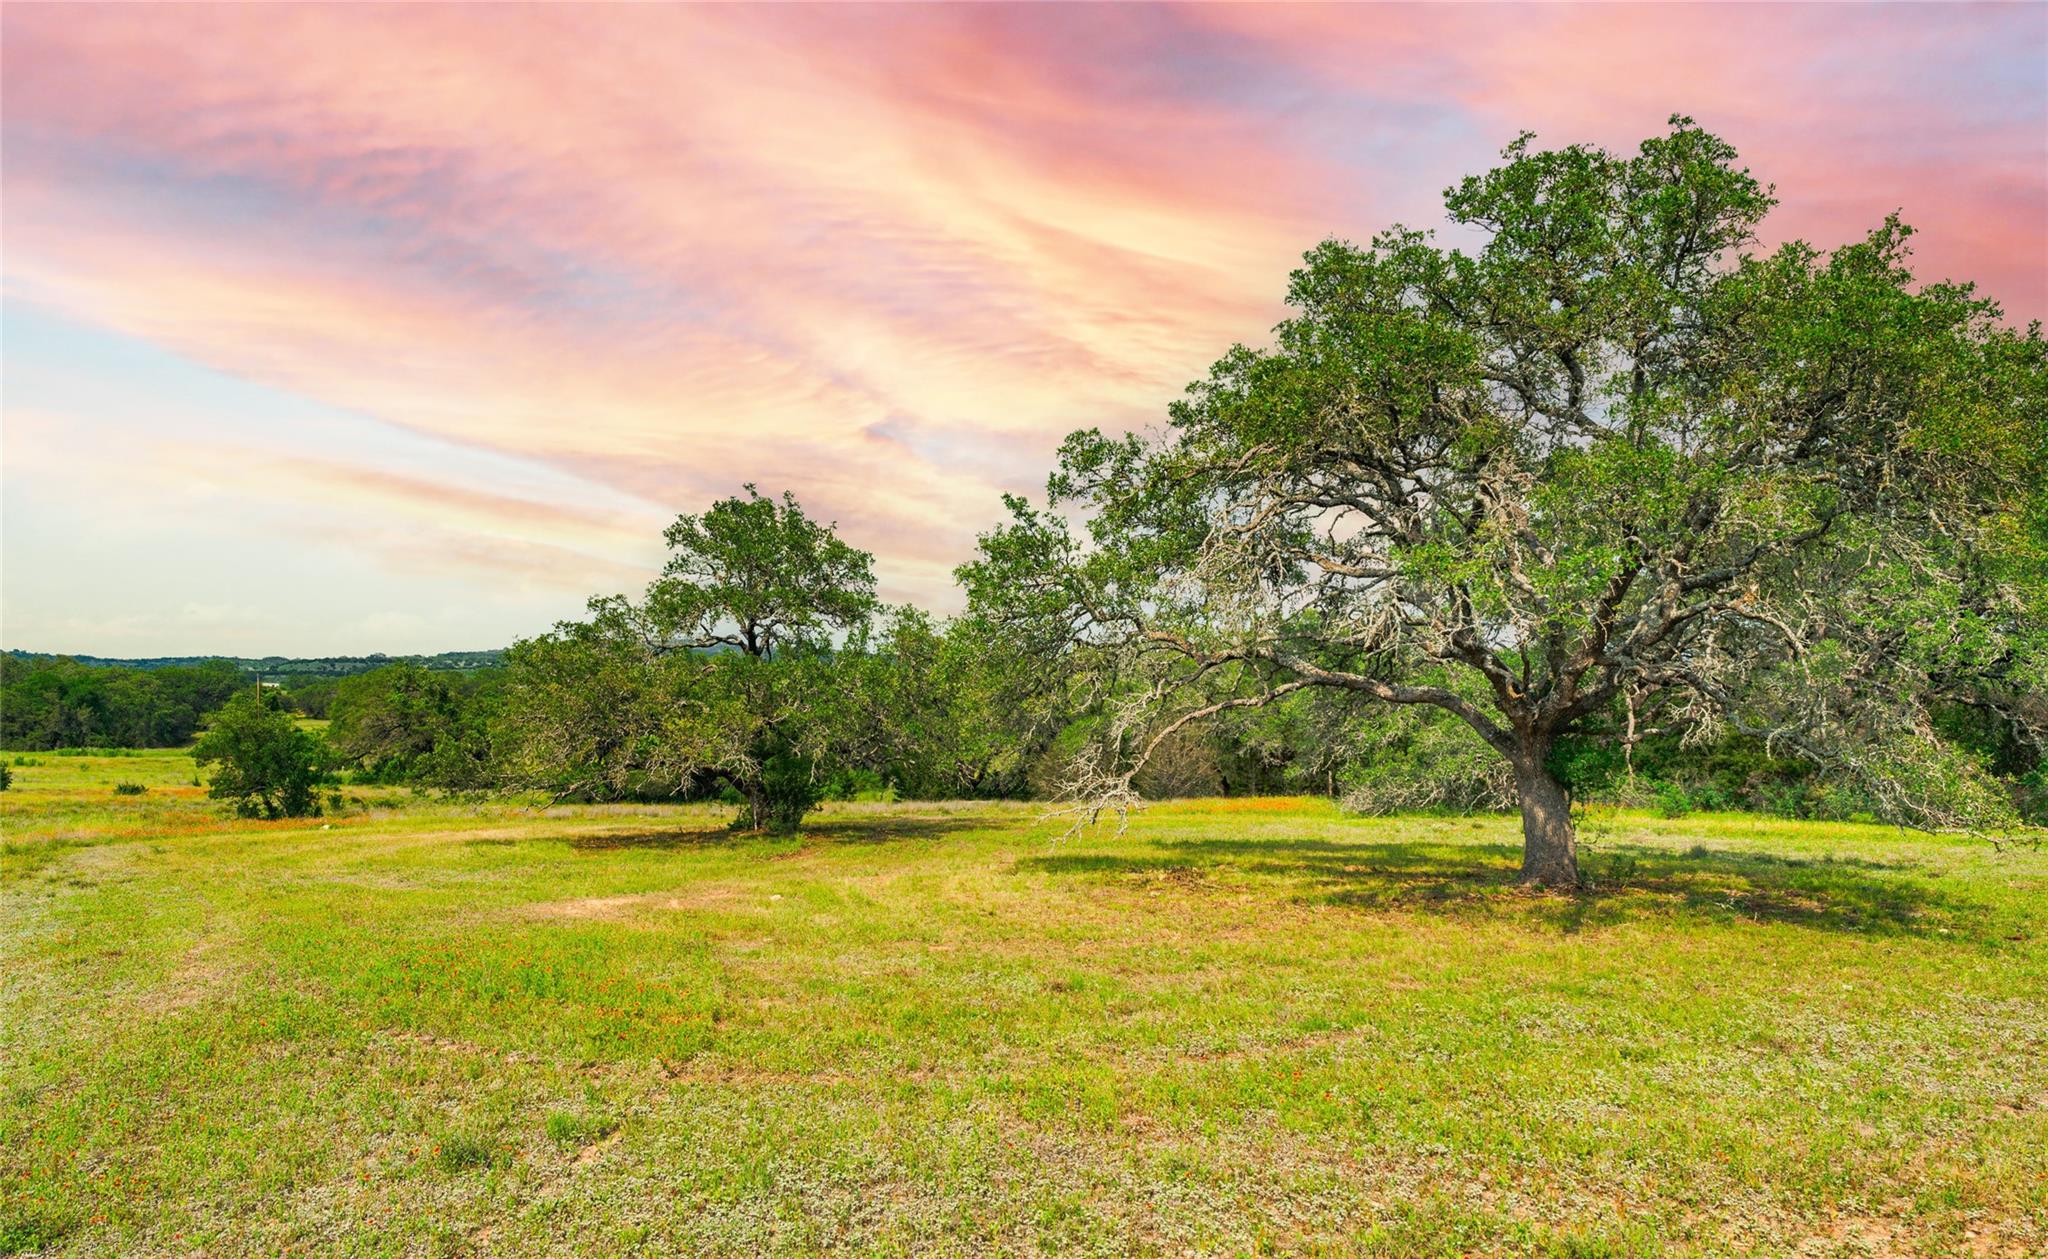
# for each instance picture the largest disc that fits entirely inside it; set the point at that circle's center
(880, 256)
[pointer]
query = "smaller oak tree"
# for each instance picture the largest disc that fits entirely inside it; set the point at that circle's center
(723, 672)
(268, 766)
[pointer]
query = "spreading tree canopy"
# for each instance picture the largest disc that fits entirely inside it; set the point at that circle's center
(406, 723)
(1615, 468)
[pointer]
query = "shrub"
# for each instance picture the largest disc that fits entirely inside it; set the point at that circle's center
(858, 784)
(1673, 800)
(129, 789)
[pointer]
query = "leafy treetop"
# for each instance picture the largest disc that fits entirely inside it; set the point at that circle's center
(754, 574)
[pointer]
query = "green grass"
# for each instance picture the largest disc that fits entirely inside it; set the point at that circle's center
(1244, 1027)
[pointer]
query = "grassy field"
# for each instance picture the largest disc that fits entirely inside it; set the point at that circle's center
(1245, 1027)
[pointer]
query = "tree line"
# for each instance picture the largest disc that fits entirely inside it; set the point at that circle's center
(56, 702)
(948, 710)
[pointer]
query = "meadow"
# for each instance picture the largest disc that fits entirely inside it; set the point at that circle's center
(1242, 1027)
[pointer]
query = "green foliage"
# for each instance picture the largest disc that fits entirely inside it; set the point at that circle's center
(461, 1151)
(129, 789)
(404, 723)
(50, 702)
(958, 710)
(1615, 471)
(724, 675)
(294, 672)
(1673, 801)
(268, 767)
(312, 694)
(753, 574)
(24, 1230)
(577, 1128)
(1408, 758)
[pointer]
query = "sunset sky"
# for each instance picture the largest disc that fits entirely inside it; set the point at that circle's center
(353, 329)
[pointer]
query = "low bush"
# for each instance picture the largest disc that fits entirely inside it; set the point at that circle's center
(570, 1128)
(23, 1230)
(459, 1151)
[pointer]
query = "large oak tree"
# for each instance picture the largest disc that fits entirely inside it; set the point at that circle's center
(1613, 466)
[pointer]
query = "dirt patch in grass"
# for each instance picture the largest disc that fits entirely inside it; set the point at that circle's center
(623, 908)
(206, 972)
(462, 1048)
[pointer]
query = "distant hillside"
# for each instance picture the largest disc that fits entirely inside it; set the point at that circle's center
(289, 668)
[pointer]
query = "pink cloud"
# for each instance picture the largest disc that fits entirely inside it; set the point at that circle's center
(1851, 110)
(884, 257)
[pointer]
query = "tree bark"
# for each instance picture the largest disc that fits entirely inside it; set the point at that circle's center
(753, 814)
(1550, 847)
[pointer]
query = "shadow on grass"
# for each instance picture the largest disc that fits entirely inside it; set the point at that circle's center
(884, 828)
(661, 840)
(879, 829)
(1627, 882)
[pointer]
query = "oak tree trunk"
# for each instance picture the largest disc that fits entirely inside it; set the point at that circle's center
(771, 807)
(753, 814)
(1550, 848)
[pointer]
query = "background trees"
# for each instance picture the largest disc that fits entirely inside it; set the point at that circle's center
(961, 709)
(53, 702)
(1612, 473)
(405, 723)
